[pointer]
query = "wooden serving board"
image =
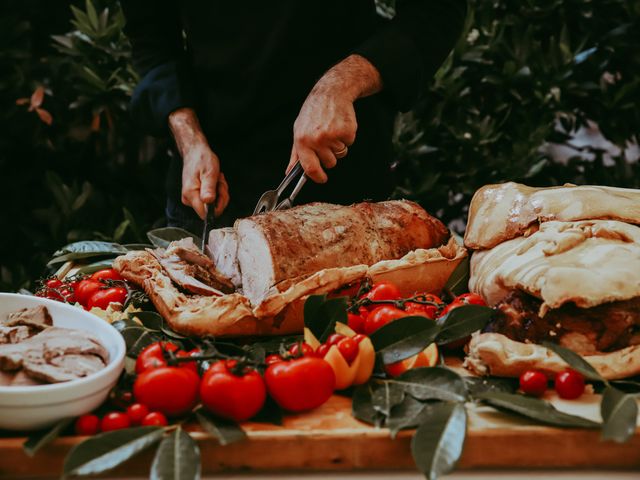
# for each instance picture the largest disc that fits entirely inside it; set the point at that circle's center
(329, 438)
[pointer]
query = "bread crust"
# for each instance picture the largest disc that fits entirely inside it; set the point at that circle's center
(496, 354)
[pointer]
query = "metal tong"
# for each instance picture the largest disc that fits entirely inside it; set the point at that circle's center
(270, 200)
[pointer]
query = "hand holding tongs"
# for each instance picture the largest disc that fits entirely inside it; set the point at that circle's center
(270, 200)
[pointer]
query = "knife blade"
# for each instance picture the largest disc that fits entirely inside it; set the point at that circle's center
(209, 220)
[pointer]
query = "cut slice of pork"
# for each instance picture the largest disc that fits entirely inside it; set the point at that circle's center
(184, 274)
(207, 272)
(223, 249)
(36, 318)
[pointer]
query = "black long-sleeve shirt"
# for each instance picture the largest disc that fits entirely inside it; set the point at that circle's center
(247, 66)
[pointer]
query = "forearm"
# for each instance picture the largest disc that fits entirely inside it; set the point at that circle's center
(355, 77)
(186, 130)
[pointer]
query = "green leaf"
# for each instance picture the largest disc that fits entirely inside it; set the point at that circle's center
(462, 322)
(478, 385)
(177, 458)
(619, 412)
(108, 450)
(42, 438)
(86, 249)
(432, 383)
(321, 315)
(404, 338)
(162, 237)
(575, 361)
(92, 14)
(437, 444)
(458, 282)
(534, 409)
(385, 396)
(151, 320)
(226, 431)
(405, 415)
(95, 266)
(362, 406)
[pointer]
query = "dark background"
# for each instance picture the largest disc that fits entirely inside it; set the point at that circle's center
(519, 88)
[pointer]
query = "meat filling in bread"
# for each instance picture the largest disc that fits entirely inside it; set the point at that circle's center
(604, 328)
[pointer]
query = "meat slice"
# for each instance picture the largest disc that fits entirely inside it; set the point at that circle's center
(14, 334)
(293, 243)
(36, 318)
(17, 379)
(206, 269)
(222, 247)
(63, 368)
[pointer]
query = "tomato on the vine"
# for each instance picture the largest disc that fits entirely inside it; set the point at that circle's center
(106, 274)
(86, 288)
(137, 412)
(300, 384)
(152, 356)
(273, 358)
(186, 354)
(429, 311)
(236, 395)
(383, 291)
(464, 299)
(105, 297)
(114, 421)
(53, 282)
(533, 382)
(381, 316)
(569, 384)
(87, 425)
(170, 390)
(356, 322)
(155, 419)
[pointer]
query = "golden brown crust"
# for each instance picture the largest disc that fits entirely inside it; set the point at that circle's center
(504, 211)
(495, 354)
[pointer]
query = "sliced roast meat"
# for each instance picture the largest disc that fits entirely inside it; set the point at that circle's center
(36, 318)
(63, 368)
(222, 246)
(17, 379)
(286, 244)
(14, 334)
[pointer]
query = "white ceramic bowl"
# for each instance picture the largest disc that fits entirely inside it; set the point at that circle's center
(31, 408)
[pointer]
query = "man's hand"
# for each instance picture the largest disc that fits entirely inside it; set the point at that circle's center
(202, 181)
(326, 125)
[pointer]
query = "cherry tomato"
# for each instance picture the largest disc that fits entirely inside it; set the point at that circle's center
(471, 299)
(114, 421)
(104, 297)
(53, 282)
(137, 412)
(334, 338)
(355, 322)
(358, 338)
(152, 356)
(429, 311)
(300, 384)
(86, 288)
(68, 294)
(533, 382)
(87, 425)
(383, 291)
(322, 350)
(106, 274)
(155, 419)
(348, 349)
(569, 384)
(234, 395)
(184, 354)
(170, 390)
(273, 358)
(307, 350)
(381, 316)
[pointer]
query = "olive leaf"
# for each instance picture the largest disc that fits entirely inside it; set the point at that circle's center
(575, 361)
(458, 282)
(534, 409)
(385, 395)
(432, 383)
(404, 415)
(478, 385)
(177, 457)
(226, 431)
(90, 248)
(108, 450)
(403, 338)
(322, 314)
(619, 412)
(438, 441)
(362, 406)
(462, 321)
(162, 237)
(42, 438)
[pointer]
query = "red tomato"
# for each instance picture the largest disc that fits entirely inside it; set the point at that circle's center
(307, 350)
(471, 299)
(152, 356)
(155, 419)
(334, 338)
(87, 425)
(348, 349)
(68, 294)
(104, 297)
(53, 282)
(273, 358)
(533, 382)
(358, 338)
(429, 311)
(184, 354)
(106, 274)
(383, 291)
(114, 421)
(234, 396)
(381, 316)
(355, 322)
(569, 384)
(86, 288)
(300, 384)
(322, 350)
(137, 412)
(170, 390)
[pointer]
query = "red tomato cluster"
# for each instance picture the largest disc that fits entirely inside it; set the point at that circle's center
(568, 384)
(97, 290)
(136, 414)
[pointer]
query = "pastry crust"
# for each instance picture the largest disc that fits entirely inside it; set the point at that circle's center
(500, 212)
(496, 354)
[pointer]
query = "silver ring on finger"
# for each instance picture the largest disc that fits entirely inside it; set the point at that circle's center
(342, 152)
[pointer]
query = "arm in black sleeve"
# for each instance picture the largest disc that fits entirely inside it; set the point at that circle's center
(155, 33)
(409, 49)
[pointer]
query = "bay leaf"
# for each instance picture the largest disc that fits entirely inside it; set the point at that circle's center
(619, 412)
(403, 338)
(226, 431)
(105, 451)
(42, 438)
(575, 361)
(362, 406)
(477, 385)
(405, 415)
(385, 395)
(439, 440)
(462, 322)
(162, 237)
(534, 409)
(92, 247)
(432, 383)
(177, 458)
(458, 282)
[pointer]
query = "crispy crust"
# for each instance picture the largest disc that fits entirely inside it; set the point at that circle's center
(495, 354)
(504, 211)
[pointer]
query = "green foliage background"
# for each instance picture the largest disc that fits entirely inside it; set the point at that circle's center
(523, 75)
